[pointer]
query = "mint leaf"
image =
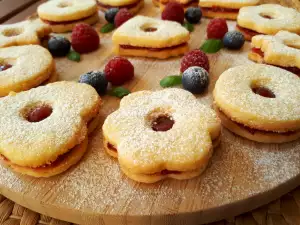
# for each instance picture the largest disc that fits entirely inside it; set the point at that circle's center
(107, 28)
(74, 56)
(119, 92)
(170, 81)
(188, 26)
(212, 45)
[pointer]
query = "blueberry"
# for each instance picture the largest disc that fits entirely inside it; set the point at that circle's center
(110, 15)
(193, 14)
(59, 46)
(96, 79)
(233, 40)
(195, 79)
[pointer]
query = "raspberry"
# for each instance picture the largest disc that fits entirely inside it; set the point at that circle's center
(216, 29)
(118, 70)
(194, 58)
(174, 12)
(84, 38)
(122, 16)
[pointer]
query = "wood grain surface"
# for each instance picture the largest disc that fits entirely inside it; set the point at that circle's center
(242, 176)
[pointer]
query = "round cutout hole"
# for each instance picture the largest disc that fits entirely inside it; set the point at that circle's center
(264, 92)
(4, 67)
(38, 113)
(162, 123)
(266, 16)
(150, 29)
(12, 32)
(64, 4)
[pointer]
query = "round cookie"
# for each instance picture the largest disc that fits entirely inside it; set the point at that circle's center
(163, 134)
(259, 102)
(267, 19)
(26, 67)
(63, 15)
(54, 142)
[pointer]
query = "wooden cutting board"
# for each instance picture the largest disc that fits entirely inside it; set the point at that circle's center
(242, 176)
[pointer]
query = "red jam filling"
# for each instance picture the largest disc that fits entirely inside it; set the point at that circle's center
(129, 6)
(220, 9)
(247, 31)
(162, 123)
(264, 92)
(5, 67)
(66, 22)
(38, 114)
(294, 70)
(151, 49)
(150, 29)
(111, 147)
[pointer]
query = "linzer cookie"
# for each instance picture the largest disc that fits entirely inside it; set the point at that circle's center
(162, 134)
(31, 31)
(227, 9)
(267, 19)
(133, 6)
(49, 127)
(259, 102)
(282, 50)
(63, 15)
(25, 67)
(149, 37)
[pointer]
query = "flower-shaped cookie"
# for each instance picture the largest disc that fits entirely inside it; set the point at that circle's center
(44, 131)
(282, 50)
(161, 134)
(24, 33)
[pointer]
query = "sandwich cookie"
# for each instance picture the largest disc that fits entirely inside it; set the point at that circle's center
(227, 9)
(184, 3)
(163, 134)
(63, 15)
(133, 6)
(25, 67)
(259, 102)
(149, 37)
(282, 50)
(267, 19)
(31, 31)
(44, 131)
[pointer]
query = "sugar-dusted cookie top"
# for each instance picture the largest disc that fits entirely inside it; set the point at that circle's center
(66, 10)
(29, 66)
(269, 18)
(23, 33)
(233, 4)
(135, 32)
(234, 94)
(35, 144)
(282, 49)
(143, 150)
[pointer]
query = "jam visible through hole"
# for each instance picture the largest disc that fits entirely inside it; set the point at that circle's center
(111, 147)
(5, 67)
(264, 92)
(266, 16)
(150, 29)
(39, 113)
(162, 123)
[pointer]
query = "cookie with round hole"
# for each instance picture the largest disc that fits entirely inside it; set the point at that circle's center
(227, 9)
(267, 19)
(44, 131)
(133, 6)
(28, 32)
(259, 102)
(63, 15)
(149, 37)
(282, 50)
(25, 67)
(161, 134)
